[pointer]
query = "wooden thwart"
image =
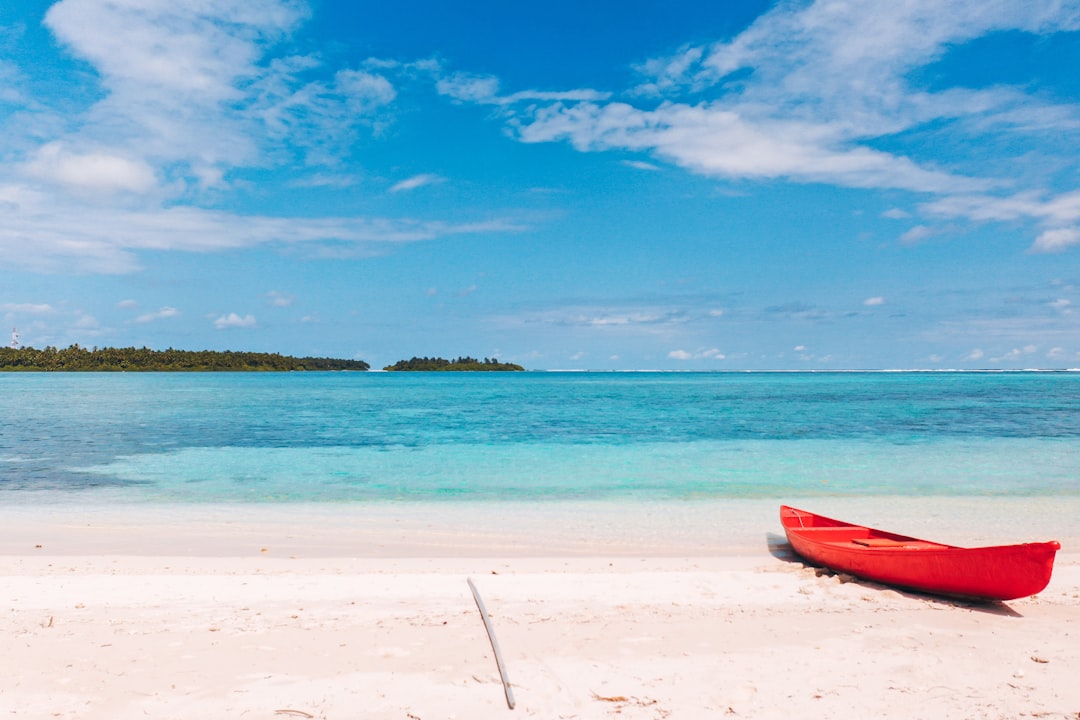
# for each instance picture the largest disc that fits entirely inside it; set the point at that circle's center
(494, 644)
(881, 542)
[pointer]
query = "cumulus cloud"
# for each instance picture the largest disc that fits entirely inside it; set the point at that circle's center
(1017, 354)
(232, 320)
(874, 301)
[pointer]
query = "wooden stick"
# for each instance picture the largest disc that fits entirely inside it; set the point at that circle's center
(494, 644)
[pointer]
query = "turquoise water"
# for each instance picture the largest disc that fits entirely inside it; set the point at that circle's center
(372, 437)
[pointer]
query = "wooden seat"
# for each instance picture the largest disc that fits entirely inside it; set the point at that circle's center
(880, 542)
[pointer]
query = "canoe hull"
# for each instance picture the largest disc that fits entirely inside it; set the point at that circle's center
(1004, 572)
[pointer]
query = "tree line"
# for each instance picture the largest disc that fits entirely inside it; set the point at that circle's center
(76, 358)
(427, 364)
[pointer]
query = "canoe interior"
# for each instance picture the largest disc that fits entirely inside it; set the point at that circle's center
(818, 528)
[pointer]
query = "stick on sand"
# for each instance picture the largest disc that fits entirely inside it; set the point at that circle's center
(494, 644)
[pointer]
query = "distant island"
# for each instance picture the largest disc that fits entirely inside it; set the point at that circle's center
(468, 364)
(79, 359)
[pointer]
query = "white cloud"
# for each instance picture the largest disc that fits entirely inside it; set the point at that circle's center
(466, 87)
(916, 235)
(712, 139)
(1016, 354)
(710, 354)
(975, 354)
(826, 79)
(484, 89)
(416, 181)
(232, 320)
(127, 305)
(1058, 240)
(1059, 209)
(640, 165)
(279, 299)
(804, 94)
(28, 308)
(94, 171)
(188, 91)
(364, 92)
(162, 314)
(896, 214)
(77, 237)
(1058, 214)
(1060, 304)
(874, 301)
(86, 322)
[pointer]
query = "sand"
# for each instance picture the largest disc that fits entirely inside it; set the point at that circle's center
(268, 613)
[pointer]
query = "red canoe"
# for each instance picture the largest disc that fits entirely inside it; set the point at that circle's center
(1006, 572)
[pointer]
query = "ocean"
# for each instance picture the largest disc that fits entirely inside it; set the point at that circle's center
(534, 437)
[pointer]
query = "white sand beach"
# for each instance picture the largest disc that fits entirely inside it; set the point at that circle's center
(278, 612)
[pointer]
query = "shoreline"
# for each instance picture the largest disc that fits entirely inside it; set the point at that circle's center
(669, 528)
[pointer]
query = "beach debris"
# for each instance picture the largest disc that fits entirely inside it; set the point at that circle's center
(611, 698)
(623, 701)
(294, 713)
(1036, 658)
(494, 644)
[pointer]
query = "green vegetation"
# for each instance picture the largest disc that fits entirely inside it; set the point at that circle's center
(462, 363)
(76, 358)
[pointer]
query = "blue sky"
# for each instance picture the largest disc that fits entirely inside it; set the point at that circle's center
(602, 185)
